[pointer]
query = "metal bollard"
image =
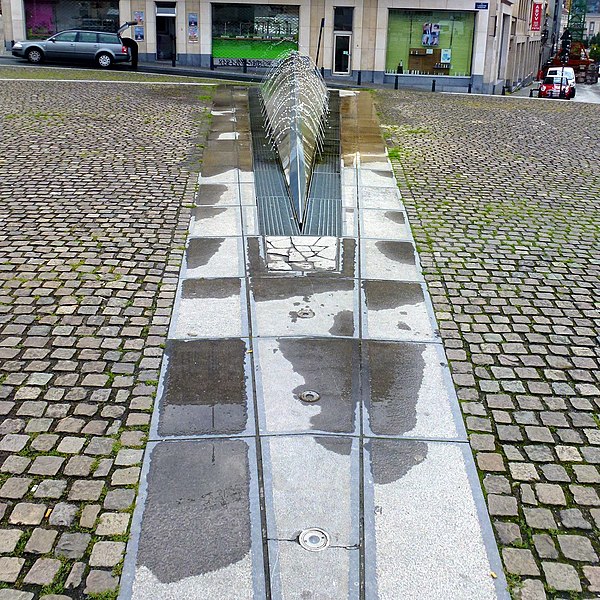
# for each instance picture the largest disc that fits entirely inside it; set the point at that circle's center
(504, 90)
(244, 66)
(433, 86)
(470, 88)
(212, 63)
(396, 82)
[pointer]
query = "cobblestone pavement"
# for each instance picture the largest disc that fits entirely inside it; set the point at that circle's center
(95, 185)
(504, 199)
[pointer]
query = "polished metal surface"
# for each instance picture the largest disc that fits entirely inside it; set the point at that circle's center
(295, 102)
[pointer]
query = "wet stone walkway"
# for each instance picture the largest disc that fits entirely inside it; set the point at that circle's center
(91, 241)
(507, 219)
(306, 440)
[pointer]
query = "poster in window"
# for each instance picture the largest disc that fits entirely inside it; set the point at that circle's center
(431, 34)
(193, 28)
(446, 55)
(138, 16)
(138, 33)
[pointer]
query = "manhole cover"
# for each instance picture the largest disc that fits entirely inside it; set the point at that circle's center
(309, 396)
(306, 313)
(314, 539)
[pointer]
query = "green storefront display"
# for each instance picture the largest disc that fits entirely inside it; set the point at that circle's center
(430, 42)
(256, 32)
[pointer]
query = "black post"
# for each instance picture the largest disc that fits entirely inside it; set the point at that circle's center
(173, 51)
(244, 65)
(504, 90)
(319, 44)
(433, 86)
(212, 63)
(359, 78)
(470, 88)
(396, 81)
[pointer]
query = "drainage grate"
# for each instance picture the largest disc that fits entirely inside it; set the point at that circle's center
(275, 214)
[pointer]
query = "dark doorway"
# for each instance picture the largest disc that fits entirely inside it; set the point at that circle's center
(341, 54)
(165, 38)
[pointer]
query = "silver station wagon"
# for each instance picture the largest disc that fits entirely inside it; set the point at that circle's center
(101, 47)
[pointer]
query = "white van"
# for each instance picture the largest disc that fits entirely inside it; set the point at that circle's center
(567, 72)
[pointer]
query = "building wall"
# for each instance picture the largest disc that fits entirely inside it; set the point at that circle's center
(525, 47)
(592, 25)
(490, 51)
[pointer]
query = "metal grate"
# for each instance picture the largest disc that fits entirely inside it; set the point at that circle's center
(324, 214)
(275, 214)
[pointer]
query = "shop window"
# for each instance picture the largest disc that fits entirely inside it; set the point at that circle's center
(258, 33)
(342, 18)
(44, 18)
(430, 42)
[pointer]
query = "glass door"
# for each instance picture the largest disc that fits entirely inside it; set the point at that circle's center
(341, 54)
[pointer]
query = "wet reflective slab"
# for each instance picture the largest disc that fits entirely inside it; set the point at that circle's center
(221, 222)
(218, 195)
(375, 178)
(299, 306)
(214, 257)
(299, 471)
(210, 308)
(407, 391)
(207, 388)
(396, 311)
(289, 370)
(302, 253)
(425, 523)
(380, 198)
(332, 574)
(220, 158)
(384, 224)
(388, 259)
(198, 537)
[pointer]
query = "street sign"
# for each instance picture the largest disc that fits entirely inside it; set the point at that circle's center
(482, 5)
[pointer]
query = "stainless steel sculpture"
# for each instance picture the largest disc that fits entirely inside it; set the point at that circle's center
(295, 102)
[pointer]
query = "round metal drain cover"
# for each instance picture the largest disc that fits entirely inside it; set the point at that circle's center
(314, 539)
(306, 313)
(309, 396)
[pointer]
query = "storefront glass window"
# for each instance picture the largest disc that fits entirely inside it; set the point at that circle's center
(430, 42)
(43, 18)
(259, 32)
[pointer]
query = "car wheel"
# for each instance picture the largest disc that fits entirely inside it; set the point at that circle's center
(104, 60)
(34, 56)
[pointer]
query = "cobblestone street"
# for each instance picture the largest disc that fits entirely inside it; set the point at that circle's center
(96, 182)
(504, 198)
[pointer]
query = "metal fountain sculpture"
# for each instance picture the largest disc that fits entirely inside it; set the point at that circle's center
(295, 103)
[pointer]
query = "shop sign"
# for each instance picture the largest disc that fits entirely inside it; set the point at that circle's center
(242, 62)
(536, 16)
(482, 5)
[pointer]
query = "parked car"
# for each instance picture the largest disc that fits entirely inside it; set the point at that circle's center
(101, 47)
(556, 87)
(567, 72)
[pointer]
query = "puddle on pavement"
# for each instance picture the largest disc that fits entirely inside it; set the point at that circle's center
(289, 367)
(206, 389)
(197, 513)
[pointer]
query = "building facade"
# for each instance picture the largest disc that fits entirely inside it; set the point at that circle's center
(461, 44)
